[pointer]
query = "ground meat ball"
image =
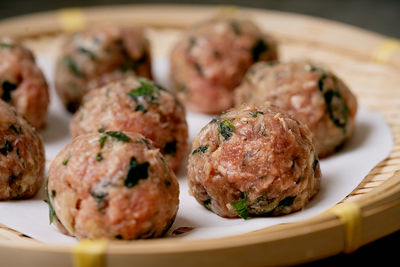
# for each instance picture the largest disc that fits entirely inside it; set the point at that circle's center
(112, 185)
(136, 105)
(97, 51)
(212, 58)
(22, 159)
(110, 77)
(253, 161)
(315, 96)
(22, 83)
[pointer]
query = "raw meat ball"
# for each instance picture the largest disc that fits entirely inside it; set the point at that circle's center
(22, 83)
(136, 105)
(315, 96)
(112, 185)
(253, 161)
(22, 159)
(212, 58)
(91, 53)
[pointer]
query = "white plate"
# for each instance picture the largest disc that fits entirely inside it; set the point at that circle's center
(342, 172)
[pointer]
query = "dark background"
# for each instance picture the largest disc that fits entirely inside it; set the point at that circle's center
(380, 16)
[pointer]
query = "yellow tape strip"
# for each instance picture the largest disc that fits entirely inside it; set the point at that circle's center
(228, 9)
(71, 19)
(385, 51)
(89, 253)
(350, 214)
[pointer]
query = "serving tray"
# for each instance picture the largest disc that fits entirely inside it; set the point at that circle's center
(368, 62)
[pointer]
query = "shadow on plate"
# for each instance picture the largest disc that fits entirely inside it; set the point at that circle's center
(360, 136)
(57, 128)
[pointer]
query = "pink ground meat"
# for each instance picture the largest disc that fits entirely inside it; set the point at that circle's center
(253, 161)
(22, 158)
(136, 105)
(211, 58)
(113, 185)
(22, 83)
(315, 96)
(88, 55)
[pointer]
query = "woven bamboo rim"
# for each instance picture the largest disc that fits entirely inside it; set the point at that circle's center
(375, 81)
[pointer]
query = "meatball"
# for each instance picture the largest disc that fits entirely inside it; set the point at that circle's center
(109, 77)
(22, 160)
(212, 58)
(136, 105)
(313, 95)
(113, 185)
(253, 161)
(22, 83)
(89, 54)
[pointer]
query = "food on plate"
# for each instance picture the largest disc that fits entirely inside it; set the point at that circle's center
(109, 77)
(253, 161)
(113, 185)
(22, 83)
(96, 51)
(22, 159)
(315, 96)
(136, 105)
(212, 57)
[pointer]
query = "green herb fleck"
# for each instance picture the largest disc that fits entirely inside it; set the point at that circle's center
(120, 136)
(198, 69)
(200, 149)
(128, 66)
(207, 204)
(255, 113)
(5, 45)
(8, 87)
(321, 82)
(139, 107)
(258, 48)
(337, 109)
(170, 148)
(87, 52)
(100, 198)
(235, 27)
(240, 207)
(52, 213)
(7, 148)
(144, 93)
(182, 88)
(101, 130)
(73, 67)
(102, 141)
(12, 179)
(315, 69)
(192, 43)
(264, 205)
(288, 201)
(99, 157)
(136, 172)
(272, 63)
(315, 163)
(53, 193)
(226, 128)
(65, 162)
(16, 129)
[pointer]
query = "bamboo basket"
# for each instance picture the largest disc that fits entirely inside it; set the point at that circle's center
(368, 62)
